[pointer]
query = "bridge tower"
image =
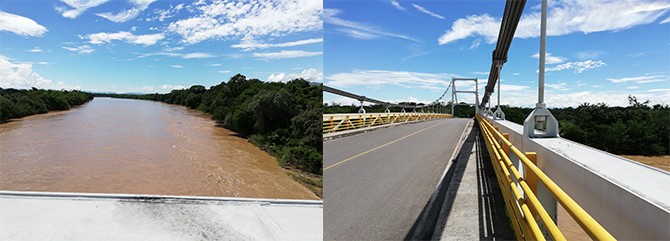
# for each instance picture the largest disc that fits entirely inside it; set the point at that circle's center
(454, 93)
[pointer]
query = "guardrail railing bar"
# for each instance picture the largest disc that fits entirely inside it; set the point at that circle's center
(519, 202)
(530, 196)
(588, 224)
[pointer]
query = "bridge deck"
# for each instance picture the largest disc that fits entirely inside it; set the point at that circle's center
(378, 183)
(71, 216)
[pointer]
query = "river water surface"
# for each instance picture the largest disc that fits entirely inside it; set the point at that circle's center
(140, 147)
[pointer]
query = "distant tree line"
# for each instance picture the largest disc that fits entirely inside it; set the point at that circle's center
(16, 103)
(283, 118)
(638, 129)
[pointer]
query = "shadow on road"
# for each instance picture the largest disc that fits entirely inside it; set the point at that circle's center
(493, 222)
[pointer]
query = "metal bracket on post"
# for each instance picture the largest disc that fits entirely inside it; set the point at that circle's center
(387, 109)
(403, 109)
(541, 119)
(361, 110)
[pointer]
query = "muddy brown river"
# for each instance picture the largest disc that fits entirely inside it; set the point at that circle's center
(138, 147)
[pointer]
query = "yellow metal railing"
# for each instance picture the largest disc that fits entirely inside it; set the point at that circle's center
(524, 211)
(342, 122)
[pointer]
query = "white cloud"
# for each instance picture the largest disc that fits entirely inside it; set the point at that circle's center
(148, 88)
(340, 100)
(632, 87)
(285, 54)
(667, 20)
(358, 34)
(84, 49)
(397, 5)
(22, 76)
(578, 67)
(250, 44)
(162, 15)
(508, 87)
(481, 73)
(223, 71)
(177, 66)
(122, 16)
(619, 98)
(310, 74)
(146, 40)
(214, 65)
(481, 25)
(565, 17)
(589, 54)
(197, 55)
(36, 50)
(358, 30)
(475, 43)
(172, 87)
(229, 20)
(426, 11)
(77, 7)
(549, 59)
(559, 86)
(20, 25)
(640, 79)
(159, 54)
(412, 99)
(379, 78)
(127, 14)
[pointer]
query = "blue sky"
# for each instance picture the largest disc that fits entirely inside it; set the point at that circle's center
(156, 46)
(599, 51)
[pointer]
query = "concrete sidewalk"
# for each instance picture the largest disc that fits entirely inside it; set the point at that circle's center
(77, 216)
(473, 208)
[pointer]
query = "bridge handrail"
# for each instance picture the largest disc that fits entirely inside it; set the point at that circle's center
(587, 223)
(349, 121)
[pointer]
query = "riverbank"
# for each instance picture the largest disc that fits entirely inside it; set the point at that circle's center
(16, 103)
(661, 162)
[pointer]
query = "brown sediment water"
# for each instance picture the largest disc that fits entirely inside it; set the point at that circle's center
(137, 147)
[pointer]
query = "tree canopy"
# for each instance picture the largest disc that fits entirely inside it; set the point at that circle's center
(16, 103)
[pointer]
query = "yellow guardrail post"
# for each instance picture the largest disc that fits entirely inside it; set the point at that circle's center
(505, 147)
(531, 178)
(332, 125)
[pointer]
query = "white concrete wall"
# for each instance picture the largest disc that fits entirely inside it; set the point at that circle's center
(83, 216)
(629, 199)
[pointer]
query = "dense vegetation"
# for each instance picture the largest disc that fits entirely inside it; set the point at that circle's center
(639, 129)
(282, 118)
(19, 103)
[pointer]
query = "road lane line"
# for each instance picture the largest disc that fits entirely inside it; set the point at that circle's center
(373, 149)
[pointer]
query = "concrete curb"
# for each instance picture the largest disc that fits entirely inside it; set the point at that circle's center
(425, 225)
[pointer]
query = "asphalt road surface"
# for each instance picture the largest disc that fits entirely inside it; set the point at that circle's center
(377, 183)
